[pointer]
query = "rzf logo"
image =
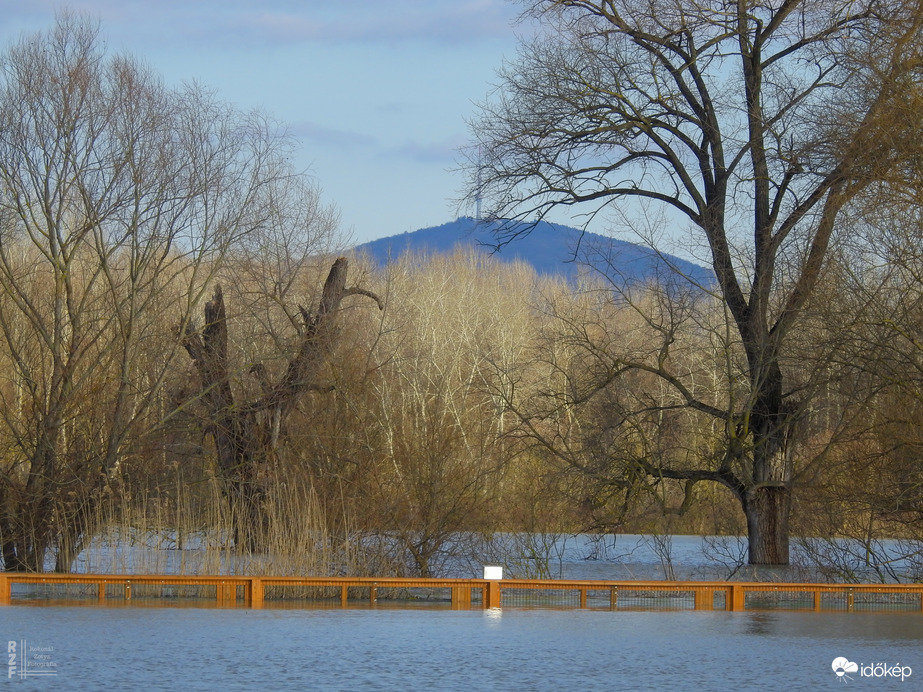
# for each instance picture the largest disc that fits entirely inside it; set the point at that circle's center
(13, 662)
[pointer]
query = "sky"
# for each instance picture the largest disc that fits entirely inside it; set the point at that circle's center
(375, 92)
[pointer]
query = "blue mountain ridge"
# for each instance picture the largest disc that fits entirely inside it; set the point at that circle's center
(550, 248)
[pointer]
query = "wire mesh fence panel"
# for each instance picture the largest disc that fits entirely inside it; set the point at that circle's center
(871, 601)
(111, 591)
(540, 598)
(438, 595)
(603, 598)
(203, 592)
(54, 592)
(655, 599)
(301, 592)
(166, 591)
(365, 594)
(834, 600)
(778, 599)
(843, 599)
(599, 599)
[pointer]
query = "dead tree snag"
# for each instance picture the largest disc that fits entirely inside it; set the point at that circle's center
(246, 433)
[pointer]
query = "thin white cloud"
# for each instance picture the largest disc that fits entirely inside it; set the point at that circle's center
(386, 22)
(444, 152)
(272, 22)
(315, 134)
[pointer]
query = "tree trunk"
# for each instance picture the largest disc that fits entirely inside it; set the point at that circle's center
(767, 508)
(246, 434)
(767, 500)
(26, 540)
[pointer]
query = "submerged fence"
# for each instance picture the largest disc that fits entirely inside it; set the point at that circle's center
(259, 592)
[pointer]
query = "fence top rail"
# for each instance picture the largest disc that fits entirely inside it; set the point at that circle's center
(178, 579)
(423, 582)
(697, 585)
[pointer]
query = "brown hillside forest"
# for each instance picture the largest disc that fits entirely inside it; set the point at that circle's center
(185, 362)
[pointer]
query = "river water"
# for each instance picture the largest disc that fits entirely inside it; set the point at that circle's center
(430, 647)
(136, 648)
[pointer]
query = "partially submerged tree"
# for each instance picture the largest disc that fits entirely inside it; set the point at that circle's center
(247, 434)
(755, 122)
(871, 490)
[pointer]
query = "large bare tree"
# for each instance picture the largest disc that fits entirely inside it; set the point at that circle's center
(752, 122)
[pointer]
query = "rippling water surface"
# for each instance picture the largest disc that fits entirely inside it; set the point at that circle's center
(136, 648)
(430, 647)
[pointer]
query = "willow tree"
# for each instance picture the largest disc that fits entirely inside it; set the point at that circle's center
(754, 123)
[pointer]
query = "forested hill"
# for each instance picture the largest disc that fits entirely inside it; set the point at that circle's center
(550, 248)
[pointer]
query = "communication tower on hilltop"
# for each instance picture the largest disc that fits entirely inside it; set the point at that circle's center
(477, 192)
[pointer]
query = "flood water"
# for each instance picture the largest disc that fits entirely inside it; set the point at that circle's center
(396, 646)
(137, 648)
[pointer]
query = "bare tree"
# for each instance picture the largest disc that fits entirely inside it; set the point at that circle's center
(246, 434)
(118, 199)
(872, 488)
(437, 429)
(756, 122)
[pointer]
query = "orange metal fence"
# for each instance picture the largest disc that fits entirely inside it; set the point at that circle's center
(255, 592)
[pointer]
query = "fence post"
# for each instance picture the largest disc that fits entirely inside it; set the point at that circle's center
(736, 599)
(5, 588)
(255, 595)
(491, 596)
